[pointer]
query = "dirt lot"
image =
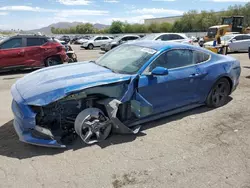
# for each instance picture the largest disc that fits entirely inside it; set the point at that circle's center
(196, 149)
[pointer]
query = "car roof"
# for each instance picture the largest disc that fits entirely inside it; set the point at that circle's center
(29, 36)
(130, 35)
(160, 45)
(160, 34)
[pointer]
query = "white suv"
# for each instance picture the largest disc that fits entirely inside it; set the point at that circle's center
(96, 41)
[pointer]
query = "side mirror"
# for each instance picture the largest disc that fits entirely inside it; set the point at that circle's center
(159, 71)
(233, 40)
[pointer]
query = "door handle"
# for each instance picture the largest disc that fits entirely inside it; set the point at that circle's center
(194, 75)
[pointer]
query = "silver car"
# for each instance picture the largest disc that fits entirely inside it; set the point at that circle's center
(173, 37)
(236, 42)
(96, 41)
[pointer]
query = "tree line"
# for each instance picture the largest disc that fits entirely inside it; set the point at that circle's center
(192, 21)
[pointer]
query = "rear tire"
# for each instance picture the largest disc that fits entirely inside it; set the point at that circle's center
(218, 96)
(52, 61)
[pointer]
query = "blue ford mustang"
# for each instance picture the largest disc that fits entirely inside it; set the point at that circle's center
(132, 84)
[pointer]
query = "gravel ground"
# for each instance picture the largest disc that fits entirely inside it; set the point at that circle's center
(196, 149)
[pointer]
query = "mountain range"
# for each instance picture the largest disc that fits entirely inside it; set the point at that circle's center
(64, 25)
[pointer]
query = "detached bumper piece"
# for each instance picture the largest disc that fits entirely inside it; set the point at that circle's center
(28, 132)
(35, 137)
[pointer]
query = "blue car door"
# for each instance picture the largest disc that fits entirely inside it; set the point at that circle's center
(174, 90)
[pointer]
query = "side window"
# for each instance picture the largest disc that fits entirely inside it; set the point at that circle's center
(238, 37)
(130, 38)
(105, 38)
(98, 38)
(166, 37)
(35, 41)
(133, 38)
(246, 37)
(176, 37)
(124, 39)
(173, 59)
(200, 57)
(12, 43)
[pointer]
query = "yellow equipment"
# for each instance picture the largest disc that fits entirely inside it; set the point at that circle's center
(229, 25)
(221, 49)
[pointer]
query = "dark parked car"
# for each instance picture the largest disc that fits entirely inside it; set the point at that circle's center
(133, 84)
(66, 39)
(23, 51)
(118, 41)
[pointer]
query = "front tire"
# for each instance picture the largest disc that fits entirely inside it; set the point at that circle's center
(92, 125)
(90, 46)
(218, 96)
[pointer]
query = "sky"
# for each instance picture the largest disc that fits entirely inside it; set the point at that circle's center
(33, 14)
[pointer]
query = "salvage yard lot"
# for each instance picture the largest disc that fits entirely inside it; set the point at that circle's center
(198, 148)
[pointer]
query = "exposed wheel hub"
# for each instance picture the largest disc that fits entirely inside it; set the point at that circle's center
(92, 125)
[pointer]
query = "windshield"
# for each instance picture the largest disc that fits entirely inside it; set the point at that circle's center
(149, 37)
(226, 37)
(227, 21)
(126, 59)
(211, 32)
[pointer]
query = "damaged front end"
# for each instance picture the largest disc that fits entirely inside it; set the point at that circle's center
(91, 114)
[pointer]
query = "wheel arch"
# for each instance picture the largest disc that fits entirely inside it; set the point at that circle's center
(226, 77)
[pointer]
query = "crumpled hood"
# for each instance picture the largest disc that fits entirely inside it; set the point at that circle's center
(50, 84)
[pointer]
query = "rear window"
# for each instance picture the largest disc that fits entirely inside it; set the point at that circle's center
(200, 57)
(36, 41)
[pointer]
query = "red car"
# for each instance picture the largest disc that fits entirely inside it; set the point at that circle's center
(23, 51)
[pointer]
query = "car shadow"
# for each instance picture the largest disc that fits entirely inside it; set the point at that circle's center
(243, 52)
(12, 147)
(13, 72)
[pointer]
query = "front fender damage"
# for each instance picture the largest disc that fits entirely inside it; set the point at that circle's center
(111, 106)
(121, 102)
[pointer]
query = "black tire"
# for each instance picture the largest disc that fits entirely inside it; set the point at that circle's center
(52, 61)
(90, 46)
(71, 60)
(218, 96)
